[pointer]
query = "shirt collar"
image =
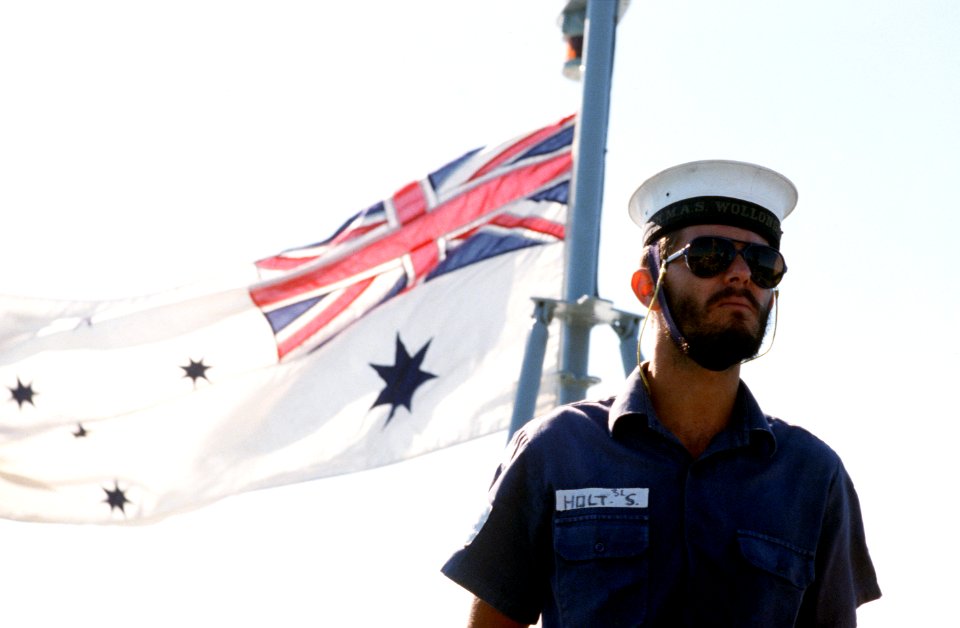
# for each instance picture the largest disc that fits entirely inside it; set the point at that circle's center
(749, 426)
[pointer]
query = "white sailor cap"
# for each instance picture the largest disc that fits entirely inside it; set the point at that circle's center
(714, 192)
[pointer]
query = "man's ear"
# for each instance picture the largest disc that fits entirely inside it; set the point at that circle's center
(643, 286)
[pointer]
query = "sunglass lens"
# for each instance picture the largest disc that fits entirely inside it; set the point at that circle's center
(766, 265)
(708, 257)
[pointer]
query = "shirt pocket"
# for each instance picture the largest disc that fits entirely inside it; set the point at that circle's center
(775, 575)
(602, 568)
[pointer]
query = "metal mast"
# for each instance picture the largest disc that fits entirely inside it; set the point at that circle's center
(580, 310)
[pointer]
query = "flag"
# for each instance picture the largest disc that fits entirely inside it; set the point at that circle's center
(400, 334)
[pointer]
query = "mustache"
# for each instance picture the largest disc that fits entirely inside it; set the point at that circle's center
(730, 291)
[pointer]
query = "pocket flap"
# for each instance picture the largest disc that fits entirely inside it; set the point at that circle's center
(601, 536)
(777, 557)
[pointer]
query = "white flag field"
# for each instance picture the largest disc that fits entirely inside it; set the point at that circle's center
(402, 333)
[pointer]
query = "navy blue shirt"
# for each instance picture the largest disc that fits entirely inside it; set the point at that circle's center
(601, 517)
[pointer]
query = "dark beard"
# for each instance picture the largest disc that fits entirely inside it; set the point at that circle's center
(717, 349)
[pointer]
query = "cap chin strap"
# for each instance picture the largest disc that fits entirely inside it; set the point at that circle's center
(775, 304)
(658, 270)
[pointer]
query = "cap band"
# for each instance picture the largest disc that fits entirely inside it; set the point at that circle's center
(710, 210)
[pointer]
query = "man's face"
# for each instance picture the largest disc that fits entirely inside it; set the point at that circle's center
(723, 319)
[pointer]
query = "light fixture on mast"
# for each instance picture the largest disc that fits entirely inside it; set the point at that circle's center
(573, 21)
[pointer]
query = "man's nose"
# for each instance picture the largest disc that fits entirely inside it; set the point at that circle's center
(738, 270)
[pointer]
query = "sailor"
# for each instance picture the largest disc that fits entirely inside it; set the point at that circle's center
(734, 518)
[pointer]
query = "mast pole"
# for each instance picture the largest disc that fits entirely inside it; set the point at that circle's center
(583, 236)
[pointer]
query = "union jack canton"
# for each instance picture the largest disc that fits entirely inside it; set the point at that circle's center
(486, 203)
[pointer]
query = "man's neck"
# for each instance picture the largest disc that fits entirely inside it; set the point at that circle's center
(692, 402)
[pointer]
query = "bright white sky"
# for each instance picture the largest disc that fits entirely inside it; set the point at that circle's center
(148, 145)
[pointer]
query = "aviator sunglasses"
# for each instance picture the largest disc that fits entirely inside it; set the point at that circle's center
(708, 256)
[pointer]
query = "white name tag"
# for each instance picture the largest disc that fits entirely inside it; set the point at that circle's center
(578, 498)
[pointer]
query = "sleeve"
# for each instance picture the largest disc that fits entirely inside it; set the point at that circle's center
(845, 576)
(504, 563)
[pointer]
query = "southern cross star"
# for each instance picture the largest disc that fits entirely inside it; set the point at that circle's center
(23, 393)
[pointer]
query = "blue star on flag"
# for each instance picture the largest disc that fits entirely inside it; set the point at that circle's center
(402, 379)
(195, 370)
(23, 393)
(116, 498)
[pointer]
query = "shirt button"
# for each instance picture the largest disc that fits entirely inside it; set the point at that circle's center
(599, 548)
